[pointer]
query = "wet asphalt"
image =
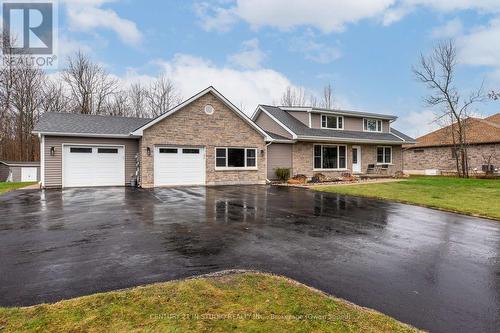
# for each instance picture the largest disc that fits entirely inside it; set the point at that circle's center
(435, 270)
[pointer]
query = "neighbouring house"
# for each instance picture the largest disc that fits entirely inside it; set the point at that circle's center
(19, 171)
(309, 140)
(434, 153)
(205, 140)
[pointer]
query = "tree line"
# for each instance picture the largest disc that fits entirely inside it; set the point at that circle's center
(83, 86)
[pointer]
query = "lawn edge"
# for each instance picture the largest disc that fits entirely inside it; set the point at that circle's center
(411, 203)
(222, 273)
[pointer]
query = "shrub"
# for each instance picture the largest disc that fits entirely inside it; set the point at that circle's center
(283, 174)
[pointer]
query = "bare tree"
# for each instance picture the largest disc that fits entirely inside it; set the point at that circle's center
(293, 97)
(89, 84)
(437, 72)
(161, 96)
(327, 101)
(118, 105)
(54, 97)
(137, 98)
(494, 95)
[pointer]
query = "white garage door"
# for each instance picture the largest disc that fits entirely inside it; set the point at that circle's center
(29, 174)
(179, 166)
(93, 166)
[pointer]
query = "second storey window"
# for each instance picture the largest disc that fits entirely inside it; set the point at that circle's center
(372, 125)
(235, 158)
(329, 157)
(334, 122)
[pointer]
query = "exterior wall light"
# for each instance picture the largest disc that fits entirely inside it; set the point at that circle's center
(262, 152)
(52, 151)
(148, 151)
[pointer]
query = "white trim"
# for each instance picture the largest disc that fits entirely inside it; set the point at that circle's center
(226, 168)
(310, 119)
(261, 109)
(212, 90)
(377, 120)
(86, 135)
(376, 156)
(331, 115)
(338, 158)
(42, 159)
(357, 114)
(93, 145)
(349, 140)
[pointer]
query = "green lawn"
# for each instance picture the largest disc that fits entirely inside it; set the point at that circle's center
(243, 302)
(467, 196)
(5, 187)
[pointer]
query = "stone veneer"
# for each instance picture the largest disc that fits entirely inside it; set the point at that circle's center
(302, 159)
(417, 160)
(191, 126)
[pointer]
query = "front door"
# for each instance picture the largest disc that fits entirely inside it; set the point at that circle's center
(356, 159)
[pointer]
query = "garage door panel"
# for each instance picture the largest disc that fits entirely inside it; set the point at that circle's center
(179, 166)
(93, 166)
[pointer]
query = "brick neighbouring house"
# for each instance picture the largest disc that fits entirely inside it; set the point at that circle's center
(434, 151)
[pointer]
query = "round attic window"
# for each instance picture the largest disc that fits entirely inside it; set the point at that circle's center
(209, 109)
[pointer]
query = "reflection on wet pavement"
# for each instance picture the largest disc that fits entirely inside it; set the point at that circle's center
(438, 271)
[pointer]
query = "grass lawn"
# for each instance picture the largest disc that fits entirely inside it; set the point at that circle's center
(467, 196)
(243, 302)
(5, 187)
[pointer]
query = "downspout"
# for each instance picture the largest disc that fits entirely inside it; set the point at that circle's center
(267, 161)
(41, 139)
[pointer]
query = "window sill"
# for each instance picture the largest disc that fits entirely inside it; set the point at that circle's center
(236, 169)
(333, 129)
(385, 163)
(343, 169)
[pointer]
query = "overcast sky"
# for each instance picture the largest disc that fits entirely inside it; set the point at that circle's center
(251, 50)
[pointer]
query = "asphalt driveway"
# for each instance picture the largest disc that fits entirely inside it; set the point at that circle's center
(438, 271)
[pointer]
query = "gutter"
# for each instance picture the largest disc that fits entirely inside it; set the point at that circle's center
(89, 135)
(354, 140)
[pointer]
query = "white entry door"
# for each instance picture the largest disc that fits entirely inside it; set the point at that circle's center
(28, 174)
(356, 159)
(179, 166)
(93, 166)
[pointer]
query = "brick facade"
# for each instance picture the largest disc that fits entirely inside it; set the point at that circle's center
(191, 126)
(302, 159)
(417, 160)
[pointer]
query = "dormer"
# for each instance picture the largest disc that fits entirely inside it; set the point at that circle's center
(336, 119)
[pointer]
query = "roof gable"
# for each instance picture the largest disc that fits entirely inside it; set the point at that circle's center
(139, 131)
(301, 131)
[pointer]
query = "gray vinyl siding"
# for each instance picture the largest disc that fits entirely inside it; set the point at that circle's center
(350, 123)
(267, 124)
(302, 116)
(53, 164)
(279, 155)
(4, 172)
(16, 174)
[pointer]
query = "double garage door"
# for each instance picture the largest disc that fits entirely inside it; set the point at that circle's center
(93, 166)
(179, 166)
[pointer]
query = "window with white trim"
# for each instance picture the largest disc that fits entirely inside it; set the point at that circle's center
(384, 155)
(329, 157)
(332, 122)
(372, 125)
(235, 158)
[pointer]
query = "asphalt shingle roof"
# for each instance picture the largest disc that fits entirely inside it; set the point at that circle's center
(301, 129)
(56, 122)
